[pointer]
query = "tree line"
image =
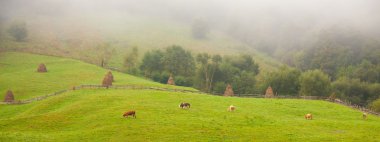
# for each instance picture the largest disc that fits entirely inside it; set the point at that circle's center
(358, 84)
(209, 73)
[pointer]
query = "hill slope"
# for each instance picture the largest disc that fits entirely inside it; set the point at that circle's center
(18, 72)
(83, 37)
(96, 115)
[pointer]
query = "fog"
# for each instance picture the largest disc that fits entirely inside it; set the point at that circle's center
(273, 23)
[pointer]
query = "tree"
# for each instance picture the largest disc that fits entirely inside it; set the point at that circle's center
(244, 82)
(355, 90)
(105, 52)
(208, 66)
(131, 61)
(245, 62)
(178, 61)
(151, 62)
(375, 105)
(175, 61)
(238, 71)
(18, 31)
(314, 83)
(200, 29)
(368, 72)
(283, 81)
(351, 89)
(219, 88)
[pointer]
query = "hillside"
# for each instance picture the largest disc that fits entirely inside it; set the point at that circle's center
(96, 115)
(18, 72)
(84, 38)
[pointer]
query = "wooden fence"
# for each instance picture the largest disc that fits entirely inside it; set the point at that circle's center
(91, 86)
(35, 99)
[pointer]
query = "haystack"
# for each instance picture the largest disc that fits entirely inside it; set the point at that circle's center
(171, 80)
(107, 81)
(9, 96)
(229, 91)
(269, 92)
(42, 68)
(110, 76)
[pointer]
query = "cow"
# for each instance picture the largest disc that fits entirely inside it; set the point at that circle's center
(184, 105)
(365, 115)
(308, 116)
(128, 113)
(231, 108)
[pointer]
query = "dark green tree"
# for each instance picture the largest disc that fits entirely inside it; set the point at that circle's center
(178, 61)
(200, 29)
(284, 81)
(314, 83)
(208, 66)
(375, 105)
(131, 61)
(105, 53)
(18, 30)
(151, 62)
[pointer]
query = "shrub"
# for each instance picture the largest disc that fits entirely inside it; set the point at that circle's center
(18, 31)
(375, 105)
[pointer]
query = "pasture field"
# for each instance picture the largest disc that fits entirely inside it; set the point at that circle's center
(18, 72)
(96, 115)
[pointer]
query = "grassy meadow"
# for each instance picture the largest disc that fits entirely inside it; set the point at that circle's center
(96, 115)
(18, 72)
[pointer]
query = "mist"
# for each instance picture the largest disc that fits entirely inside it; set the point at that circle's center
(265, 25)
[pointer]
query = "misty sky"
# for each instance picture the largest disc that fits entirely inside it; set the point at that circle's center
(263, 16)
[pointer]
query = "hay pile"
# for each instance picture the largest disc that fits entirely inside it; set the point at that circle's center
(107, 81)
(229, 91)
(9, 96)
(42, 68)
(110, 76)
(171, 80)
(269, 92)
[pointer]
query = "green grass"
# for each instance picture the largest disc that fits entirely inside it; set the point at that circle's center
(96, 115)
(18, 72)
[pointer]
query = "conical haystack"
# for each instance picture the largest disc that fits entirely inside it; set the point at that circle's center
(41, 68)
(229, 91)
(9, 96)
(110, 76)
(269, 92)
(107, 81)
(171, 80)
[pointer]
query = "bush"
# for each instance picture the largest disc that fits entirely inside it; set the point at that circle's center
(219, 88)
(200, 29)
(183, 81)
(375, 105)
(18, 31)
(314, 83)
(352, 89)
(160, 77)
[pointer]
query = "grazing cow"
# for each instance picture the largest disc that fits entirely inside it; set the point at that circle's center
(184, 105)
(308, 116)
(128, 113)
(365, 115)
(231, 108)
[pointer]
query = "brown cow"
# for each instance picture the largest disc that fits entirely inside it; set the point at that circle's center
(365, 115)
(308, 116)
(231, 108)
(184, 105)
(128, 113)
